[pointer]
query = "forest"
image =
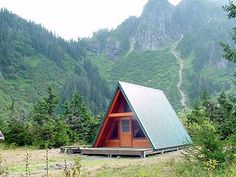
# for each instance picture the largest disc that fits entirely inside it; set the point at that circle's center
(32, 59)
(54, 92)
(50, 124)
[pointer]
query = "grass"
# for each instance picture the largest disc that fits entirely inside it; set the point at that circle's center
(104, 65)
(167, 165)
(15, 162)
(153, 68)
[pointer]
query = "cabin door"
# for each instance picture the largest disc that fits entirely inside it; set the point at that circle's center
(125, 132)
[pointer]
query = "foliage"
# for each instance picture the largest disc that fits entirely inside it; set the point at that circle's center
(230, 52)
(212, 124)
(205, 26)
(27, 167)
(139, 68)
(187, 169)
(16, 130)
(80, 120)
(165, 169)
(47, 127)
(32, 58)
(77, 166)
(44, 111)
(202, 24)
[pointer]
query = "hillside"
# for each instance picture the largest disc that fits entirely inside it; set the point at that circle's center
(173, 48)
(147, 68)
(32, 59)
(139, 50)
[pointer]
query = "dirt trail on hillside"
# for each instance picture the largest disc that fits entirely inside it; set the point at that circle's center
(181, 67)
(132, 46)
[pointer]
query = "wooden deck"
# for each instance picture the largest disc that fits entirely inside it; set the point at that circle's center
(110, 152)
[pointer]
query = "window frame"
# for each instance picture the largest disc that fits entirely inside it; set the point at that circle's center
(115, 121)
(125, 125)
(135, 121)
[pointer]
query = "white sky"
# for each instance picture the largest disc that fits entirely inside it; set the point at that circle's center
(76, 18)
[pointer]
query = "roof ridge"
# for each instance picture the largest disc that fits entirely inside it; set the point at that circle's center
(144, 87)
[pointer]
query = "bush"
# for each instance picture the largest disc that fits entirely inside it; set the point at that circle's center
(211, 149)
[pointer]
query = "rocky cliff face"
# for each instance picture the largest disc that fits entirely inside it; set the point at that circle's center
(162, 23)
(154, 29)
(151, 31)
(202, 24)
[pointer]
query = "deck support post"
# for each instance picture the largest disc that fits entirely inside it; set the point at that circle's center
(143, 154)
(109, 155)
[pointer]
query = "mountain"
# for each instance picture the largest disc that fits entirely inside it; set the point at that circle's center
(173, 48)
(32, 59)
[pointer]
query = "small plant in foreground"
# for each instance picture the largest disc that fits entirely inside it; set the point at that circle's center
(3, 170)
(66, 170)
(47, 164)
(77, 166)
(27, 169)
(76, 169)
(210, 166)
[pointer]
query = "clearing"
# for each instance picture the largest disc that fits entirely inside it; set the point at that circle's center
(14, 162)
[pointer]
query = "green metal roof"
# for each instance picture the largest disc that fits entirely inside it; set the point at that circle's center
(156, 116)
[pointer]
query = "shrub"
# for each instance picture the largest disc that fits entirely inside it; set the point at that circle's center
(210, 149)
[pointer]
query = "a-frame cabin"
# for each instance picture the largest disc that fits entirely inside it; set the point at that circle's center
(140, 117)
(120, 127)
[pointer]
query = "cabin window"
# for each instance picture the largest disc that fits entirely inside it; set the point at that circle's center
(137, 131)
(114, 131)
(127, 108)
(125, 125)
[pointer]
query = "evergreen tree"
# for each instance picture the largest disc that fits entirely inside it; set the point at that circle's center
(49, 130)
(17, 131)
(230, 55)
(212, 126)
(230, 52)
(80, 120)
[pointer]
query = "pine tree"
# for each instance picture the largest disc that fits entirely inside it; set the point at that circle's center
(17, 131)
(230, 52)
(49, 129)
(80, 120)
(212, 126)
(230, 55)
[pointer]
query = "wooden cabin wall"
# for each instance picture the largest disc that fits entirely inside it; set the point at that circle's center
(141, 143)
(135, 142)
(118, 106)
(100, 138)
